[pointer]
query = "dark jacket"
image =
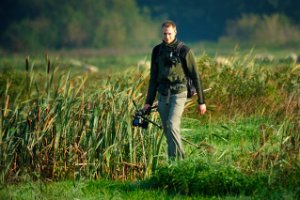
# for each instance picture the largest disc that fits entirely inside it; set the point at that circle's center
(168, 71)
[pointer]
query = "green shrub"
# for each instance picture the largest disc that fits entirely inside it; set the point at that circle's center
(200, 177)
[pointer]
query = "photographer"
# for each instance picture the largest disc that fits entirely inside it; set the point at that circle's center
(168, 77)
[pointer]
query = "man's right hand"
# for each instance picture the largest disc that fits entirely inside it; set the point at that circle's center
(146, 107)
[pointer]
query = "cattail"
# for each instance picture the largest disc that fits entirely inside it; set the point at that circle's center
(27, 64)
(48, 62)
(6, 106)
(48, 66)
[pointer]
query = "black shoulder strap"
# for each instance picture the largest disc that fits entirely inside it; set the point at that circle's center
(178, 47)
(181, 50)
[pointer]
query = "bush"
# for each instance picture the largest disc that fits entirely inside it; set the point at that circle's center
(199, 177)
(273, 29)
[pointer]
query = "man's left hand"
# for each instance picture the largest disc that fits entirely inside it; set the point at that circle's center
(201, 109)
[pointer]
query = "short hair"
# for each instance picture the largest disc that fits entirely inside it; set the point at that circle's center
(169, 23)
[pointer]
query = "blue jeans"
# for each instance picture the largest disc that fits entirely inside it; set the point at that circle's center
(170, 109)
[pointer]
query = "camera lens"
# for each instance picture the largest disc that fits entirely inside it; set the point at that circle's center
(136, 121)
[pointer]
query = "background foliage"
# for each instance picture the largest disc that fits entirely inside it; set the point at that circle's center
(207, 19)
(30, 25)
(101, 24)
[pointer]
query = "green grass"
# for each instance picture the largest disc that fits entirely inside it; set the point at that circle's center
(241, 156)
(59, 123)
(235, 136)
(203, 175)
(92, 190)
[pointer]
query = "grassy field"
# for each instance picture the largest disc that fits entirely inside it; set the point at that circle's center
(89, 190)
(66, 133)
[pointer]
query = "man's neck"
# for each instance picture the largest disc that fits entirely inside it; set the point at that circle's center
(171, 43)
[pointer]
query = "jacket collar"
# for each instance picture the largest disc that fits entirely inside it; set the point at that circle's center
(172, 44)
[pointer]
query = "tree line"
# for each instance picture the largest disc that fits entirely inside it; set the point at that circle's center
(56, 24)
(208, 19)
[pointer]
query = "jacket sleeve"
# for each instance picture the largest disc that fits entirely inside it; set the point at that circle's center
(153, 84)
(194, 75)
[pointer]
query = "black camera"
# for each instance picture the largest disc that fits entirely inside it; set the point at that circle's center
(139, 119)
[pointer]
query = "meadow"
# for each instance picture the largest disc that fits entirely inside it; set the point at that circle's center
(66, 127)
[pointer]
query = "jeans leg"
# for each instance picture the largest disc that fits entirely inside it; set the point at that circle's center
(171, 114)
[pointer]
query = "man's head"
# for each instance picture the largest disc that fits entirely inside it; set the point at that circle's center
(169, 31)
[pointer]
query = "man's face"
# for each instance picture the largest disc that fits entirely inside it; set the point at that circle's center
(169, 34)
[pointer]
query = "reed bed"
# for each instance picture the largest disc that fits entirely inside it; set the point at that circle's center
(64, 130)
(64, 125)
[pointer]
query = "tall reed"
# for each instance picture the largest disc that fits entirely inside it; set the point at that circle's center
(65, 130)
(65, 125)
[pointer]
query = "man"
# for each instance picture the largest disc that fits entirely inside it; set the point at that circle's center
(168, 76)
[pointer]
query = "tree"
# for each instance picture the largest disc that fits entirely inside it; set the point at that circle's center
(58, 24)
